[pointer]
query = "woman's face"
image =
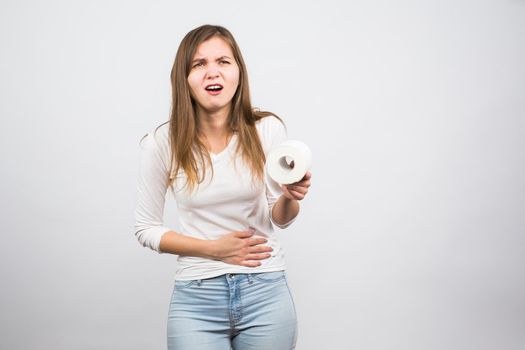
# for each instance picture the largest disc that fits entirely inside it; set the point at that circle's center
(214, 76)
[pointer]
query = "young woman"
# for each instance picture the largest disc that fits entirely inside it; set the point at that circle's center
(230, 288)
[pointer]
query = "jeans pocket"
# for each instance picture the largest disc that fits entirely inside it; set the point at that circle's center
(269, 277)
(184, 284)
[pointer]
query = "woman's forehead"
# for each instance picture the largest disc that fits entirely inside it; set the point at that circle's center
(214, 47)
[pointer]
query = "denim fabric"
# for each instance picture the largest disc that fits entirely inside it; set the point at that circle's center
(246, 311)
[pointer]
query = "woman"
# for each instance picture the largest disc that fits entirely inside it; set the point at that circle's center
(230, 285)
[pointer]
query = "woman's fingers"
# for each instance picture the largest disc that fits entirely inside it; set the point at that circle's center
(302, 183)
(256, 241)
(243, 234)
(260, 256)
(295, 192)
(297, 195)
(250, 263)
(260, 249)
(249, 260)
(299, 189)
(245, 249)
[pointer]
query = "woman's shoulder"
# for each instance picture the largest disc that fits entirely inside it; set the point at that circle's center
(272, 131)
(155, 148)
(155, 145)
(156, 138)
(269, 124)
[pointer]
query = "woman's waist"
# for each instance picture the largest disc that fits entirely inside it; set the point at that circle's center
(190, 267)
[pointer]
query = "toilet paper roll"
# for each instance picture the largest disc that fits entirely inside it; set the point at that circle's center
(279, 159)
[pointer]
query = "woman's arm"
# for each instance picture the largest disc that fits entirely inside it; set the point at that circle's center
(283, 200)
(287, 206)
(179, 244)
(151, 189)
(234, 248)
(284, 210)
(237, 248)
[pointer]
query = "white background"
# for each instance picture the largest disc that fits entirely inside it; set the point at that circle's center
(412, 236)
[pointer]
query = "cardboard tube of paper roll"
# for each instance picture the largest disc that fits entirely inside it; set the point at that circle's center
(279, 159)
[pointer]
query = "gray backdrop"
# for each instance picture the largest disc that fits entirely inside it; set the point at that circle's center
(412, 236)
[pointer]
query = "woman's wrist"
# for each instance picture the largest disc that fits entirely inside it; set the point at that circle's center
(209, 247)
(284, 210)
(180, 244)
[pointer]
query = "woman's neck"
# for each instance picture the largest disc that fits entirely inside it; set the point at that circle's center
(214, 125)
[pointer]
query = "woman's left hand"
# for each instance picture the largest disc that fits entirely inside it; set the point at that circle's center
(299, 189)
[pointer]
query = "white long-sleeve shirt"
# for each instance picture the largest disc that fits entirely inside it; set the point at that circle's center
(228, 202)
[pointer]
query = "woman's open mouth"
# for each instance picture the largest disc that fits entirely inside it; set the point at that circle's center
(214, 89)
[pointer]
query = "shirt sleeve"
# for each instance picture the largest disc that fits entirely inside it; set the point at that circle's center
(151, 192)
(274, 134)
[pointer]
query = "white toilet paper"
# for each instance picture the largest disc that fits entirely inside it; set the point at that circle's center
(279, 158)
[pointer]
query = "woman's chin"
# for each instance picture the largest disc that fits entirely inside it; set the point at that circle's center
(215, 108)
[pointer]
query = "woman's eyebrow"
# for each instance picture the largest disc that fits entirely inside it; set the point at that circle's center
(218, 59)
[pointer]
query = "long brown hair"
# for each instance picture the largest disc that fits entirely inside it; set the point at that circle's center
(187, 150)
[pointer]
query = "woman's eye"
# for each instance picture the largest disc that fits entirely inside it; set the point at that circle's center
(200, 64)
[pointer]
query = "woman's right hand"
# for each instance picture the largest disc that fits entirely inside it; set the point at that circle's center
(240, 248)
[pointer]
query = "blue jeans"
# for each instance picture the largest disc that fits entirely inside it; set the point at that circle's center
(246, 311)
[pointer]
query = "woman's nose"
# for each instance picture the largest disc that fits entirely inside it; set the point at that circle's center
(212, 72)
(212, 76)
